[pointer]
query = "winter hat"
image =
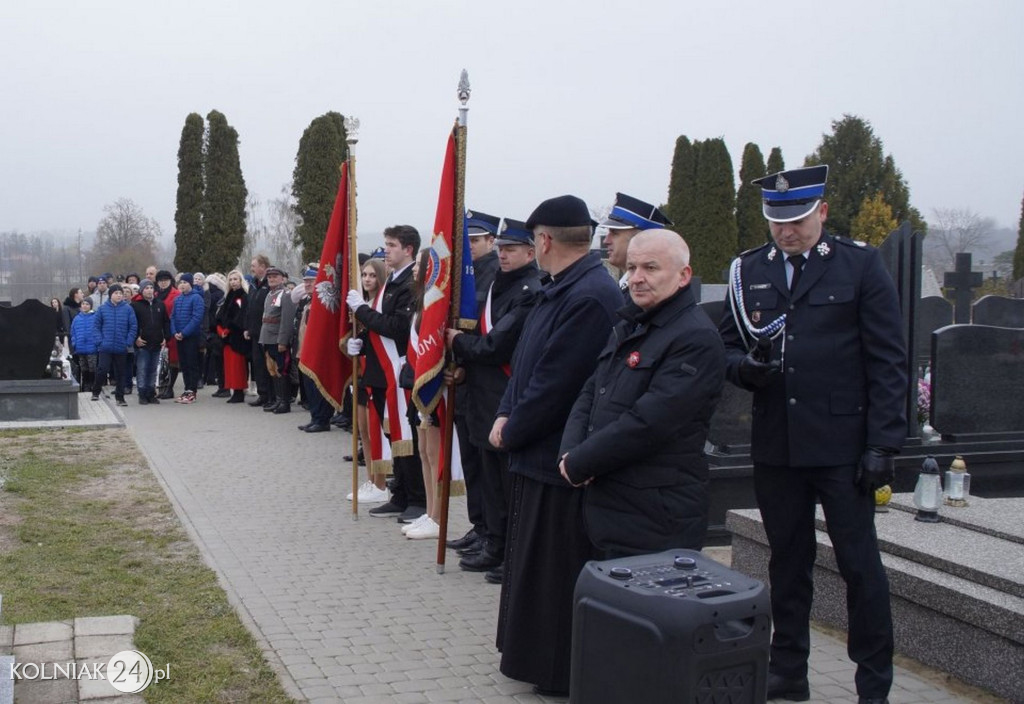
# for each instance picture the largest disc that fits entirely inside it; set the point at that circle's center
(146, 283)
(114, 288)
(164, 274)
(185, 277)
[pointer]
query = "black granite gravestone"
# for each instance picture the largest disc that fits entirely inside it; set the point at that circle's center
(933, 312)
(999, 311)
(977, 380)
(961, 283)
(27, 332)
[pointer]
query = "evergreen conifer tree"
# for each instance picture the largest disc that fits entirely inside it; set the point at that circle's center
(1018, 254)
(188, 221)
(322, 150)
(224, 198)
(713, 239)
(857, 170)
(752, 228)
(775, 161)
(682, 187)
(873, 222)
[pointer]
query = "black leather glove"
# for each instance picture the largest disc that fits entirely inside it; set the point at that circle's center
(757, 373)
(877, 468)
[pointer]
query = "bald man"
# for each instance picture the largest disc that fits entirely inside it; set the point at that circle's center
(635, 437)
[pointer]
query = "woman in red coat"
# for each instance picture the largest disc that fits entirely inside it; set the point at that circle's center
(230, 319)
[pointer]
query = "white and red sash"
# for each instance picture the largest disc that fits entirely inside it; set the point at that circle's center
(397, 398)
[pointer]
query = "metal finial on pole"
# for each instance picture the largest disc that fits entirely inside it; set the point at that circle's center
(464, 92)
(351, 131)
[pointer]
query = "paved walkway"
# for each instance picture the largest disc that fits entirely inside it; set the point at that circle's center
(349, 610)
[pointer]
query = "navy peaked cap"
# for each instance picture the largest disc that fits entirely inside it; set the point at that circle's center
(791, 195)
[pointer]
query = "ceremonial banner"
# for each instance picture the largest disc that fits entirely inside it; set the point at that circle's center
(328, 329)
(437, 290)
(467, 297)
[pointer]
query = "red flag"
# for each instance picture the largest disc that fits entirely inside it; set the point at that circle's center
(437, 292)
(328, 328)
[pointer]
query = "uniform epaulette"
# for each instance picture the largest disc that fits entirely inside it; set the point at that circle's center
(754, 249)
(850, 242)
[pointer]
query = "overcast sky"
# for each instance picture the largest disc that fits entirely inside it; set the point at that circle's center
(568, 97)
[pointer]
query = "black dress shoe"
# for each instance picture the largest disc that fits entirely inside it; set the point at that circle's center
(496, 575)
(303, 427)
(545, 692)
(348, 458)
(872, 700)
(793, 690)
(317, 428)
(471, 549)
(468, 539)
(483, 561)
(220, 393)
(258, 401)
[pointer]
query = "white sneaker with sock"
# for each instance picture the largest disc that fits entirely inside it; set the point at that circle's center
(424, 531)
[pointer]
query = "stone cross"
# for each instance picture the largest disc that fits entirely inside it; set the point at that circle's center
(960, 282)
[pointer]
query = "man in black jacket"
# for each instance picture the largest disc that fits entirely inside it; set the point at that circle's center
(154, 329)
(635, 437)
(485, 357)
(814, 330)
(257, 298)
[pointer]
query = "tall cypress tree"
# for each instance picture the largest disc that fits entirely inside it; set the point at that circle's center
(322, 149)
(682, 187)
(188, 220)
(1018, 253)
(775, 161)
(225, 196)
(751, 227)
(714, 239)
(857, 170)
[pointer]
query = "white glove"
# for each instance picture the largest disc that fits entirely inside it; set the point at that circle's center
(354, 347)
(354, 300)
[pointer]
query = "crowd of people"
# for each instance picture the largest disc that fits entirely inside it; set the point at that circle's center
(582, 405)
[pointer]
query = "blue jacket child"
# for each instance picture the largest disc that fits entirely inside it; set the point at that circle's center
(83, 333)
(116, 327)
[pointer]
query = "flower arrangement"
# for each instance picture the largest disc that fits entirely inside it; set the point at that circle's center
(924, 400)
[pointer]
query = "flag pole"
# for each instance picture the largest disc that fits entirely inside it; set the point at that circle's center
(354, 284)
(463, 92)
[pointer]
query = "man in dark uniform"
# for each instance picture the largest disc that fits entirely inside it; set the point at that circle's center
(387, 322)
(485, 358)
(557, 353)
(628, 217)
(814, 331)
(636, 434)
(481, 229)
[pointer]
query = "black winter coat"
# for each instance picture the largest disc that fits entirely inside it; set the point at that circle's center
(154, 325)
(391, 321)
(485, 357)
(638, 429)
(232, 315)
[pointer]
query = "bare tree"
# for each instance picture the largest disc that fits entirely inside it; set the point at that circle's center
(125, 238)
(955, 230)
(270, 229)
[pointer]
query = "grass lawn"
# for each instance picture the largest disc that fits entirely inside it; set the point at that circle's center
(86, 530)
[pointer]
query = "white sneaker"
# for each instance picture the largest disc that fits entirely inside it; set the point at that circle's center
(363, 488)
(425, 531)
(373, 495)
(415, 522)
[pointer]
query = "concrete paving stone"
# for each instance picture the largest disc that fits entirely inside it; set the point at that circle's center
(323, 691)
(120, 699)
(305, 671)
(46, 632)
(105, 625)
(452, 695)
(293, 659)
(6, 639)
(46, 692)
(99, 646)
(355, 679)
(426, 673)
(58, 651)
(95, 689)
(415, 686)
